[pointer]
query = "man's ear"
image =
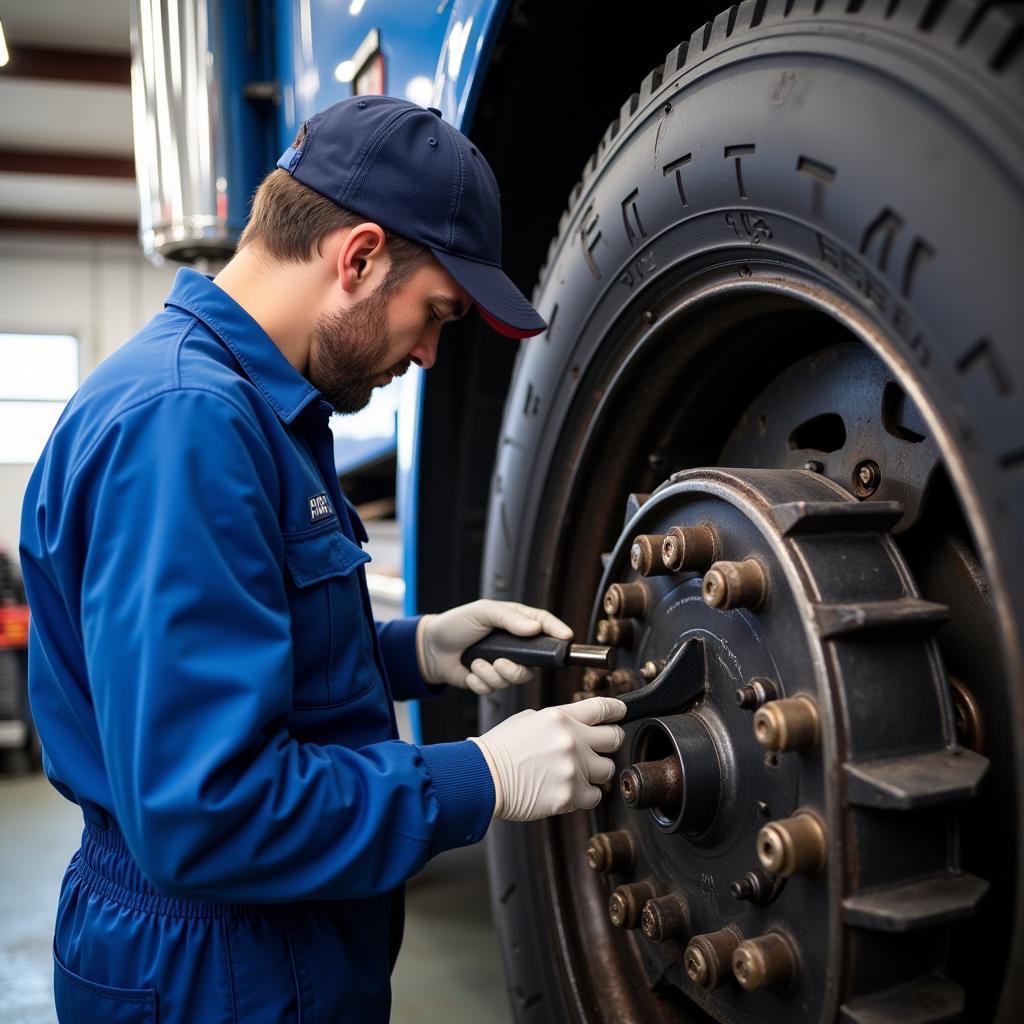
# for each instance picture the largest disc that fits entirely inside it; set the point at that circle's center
(362, 260)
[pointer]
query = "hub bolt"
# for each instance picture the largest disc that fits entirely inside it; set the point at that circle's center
(708, 957)
(645, 555)
(768, 961)
(688, 549)
(757, 886)
(592, 679)
(793, 846)
(652, 783)
(866, 478)
(788, 724)
(610, 852)
(626, 601)
(664, 917)
(614, 632)
(625, 905)
(755, 693)
(734, 585)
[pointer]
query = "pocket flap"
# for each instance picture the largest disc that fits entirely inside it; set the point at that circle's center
(79, 999)
(312, 558)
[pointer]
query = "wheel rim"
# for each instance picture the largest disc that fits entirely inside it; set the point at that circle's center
(617, 990)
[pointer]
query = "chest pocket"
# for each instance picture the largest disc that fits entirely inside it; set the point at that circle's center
(332, 642)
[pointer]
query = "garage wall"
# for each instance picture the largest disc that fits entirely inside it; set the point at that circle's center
(100, 290)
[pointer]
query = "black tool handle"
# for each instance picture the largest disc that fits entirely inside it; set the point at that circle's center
(541, 651)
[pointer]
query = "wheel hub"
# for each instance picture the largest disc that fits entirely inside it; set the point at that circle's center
(784, 842)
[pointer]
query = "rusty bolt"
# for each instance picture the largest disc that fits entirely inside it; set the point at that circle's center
(652, 783)
(645, 555)
(734, 585)
(592, 679)
(688, 549)
(664, 918)
(708, 957)
(626, 601)
(814, 467)
(609, 852)
(579, 695)
(768, 961)
(866, 478)
(625, 905)
(756, 886)
(788, 724)
(614, 632)
(755, 693)
(793, 846)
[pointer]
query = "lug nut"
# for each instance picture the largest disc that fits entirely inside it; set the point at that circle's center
(734, 585)
(625, 905)
(650, 670)
(592, 679)
(793, 846)
(688, 549)
(645, 555)
(768, 961)
(755, 693)
(788, 724)
(614, 632)
(623, 680)
(708, 958)
(756, 886)
(626, 601)
(866, 478)
(652, 783)
(664, 917)
(610, 852)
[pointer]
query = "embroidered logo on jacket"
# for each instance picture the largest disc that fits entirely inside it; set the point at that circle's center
(319, 508)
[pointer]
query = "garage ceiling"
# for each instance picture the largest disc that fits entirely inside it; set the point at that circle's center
(65, 118)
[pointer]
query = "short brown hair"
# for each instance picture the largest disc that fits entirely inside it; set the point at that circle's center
(290, 221)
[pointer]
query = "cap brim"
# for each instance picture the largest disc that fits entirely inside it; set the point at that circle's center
(499, 301)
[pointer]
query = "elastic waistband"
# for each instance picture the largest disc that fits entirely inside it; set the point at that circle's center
(106, 866)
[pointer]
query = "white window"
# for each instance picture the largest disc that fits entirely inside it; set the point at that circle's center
(38, 374)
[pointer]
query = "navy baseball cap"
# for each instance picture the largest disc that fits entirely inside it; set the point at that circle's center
(403, 167)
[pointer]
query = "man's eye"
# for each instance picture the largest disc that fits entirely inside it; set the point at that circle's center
(433, 315)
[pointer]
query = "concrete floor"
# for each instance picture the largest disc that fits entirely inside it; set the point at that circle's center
(449, 970)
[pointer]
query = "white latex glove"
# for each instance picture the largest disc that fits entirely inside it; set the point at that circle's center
(441, 640)
(546, 762)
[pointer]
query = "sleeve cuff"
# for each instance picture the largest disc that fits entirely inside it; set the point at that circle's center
(398, 647)
(464, 790)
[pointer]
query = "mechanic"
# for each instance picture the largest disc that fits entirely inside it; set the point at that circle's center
(205, 672)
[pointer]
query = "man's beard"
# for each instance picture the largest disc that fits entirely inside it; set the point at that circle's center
(346, 353)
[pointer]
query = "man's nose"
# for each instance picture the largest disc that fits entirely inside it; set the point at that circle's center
(425, 352)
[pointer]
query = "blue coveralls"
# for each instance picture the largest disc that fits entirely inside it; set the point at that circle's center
(210, 688)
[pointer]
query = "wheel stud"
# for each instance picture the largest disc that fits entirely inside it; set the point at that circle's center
(688, 549)
(866, 478)
(592, 679)
(756, 886)
(650, 670)
(793, 846)
(788, 724)
(768, 961)
(755, 693)
(645, 555)
(664, 917)
(625, 905)
(708, 958)
(626, 601)
(610, 852)
(614, 632)
(652, 783)
(623, 680)
(734, 585)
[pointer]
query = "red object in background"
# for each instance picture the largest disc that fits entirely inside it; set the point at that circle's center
(13, 627)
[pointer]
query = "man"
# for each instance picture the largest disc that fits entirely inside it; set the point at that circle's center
(205, 672)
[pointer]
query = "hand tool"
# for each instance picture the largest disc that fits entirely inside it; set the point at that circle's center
(679, 682)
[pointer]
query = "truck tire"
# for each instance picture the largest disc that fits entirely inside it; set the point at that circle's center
(796, 249)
